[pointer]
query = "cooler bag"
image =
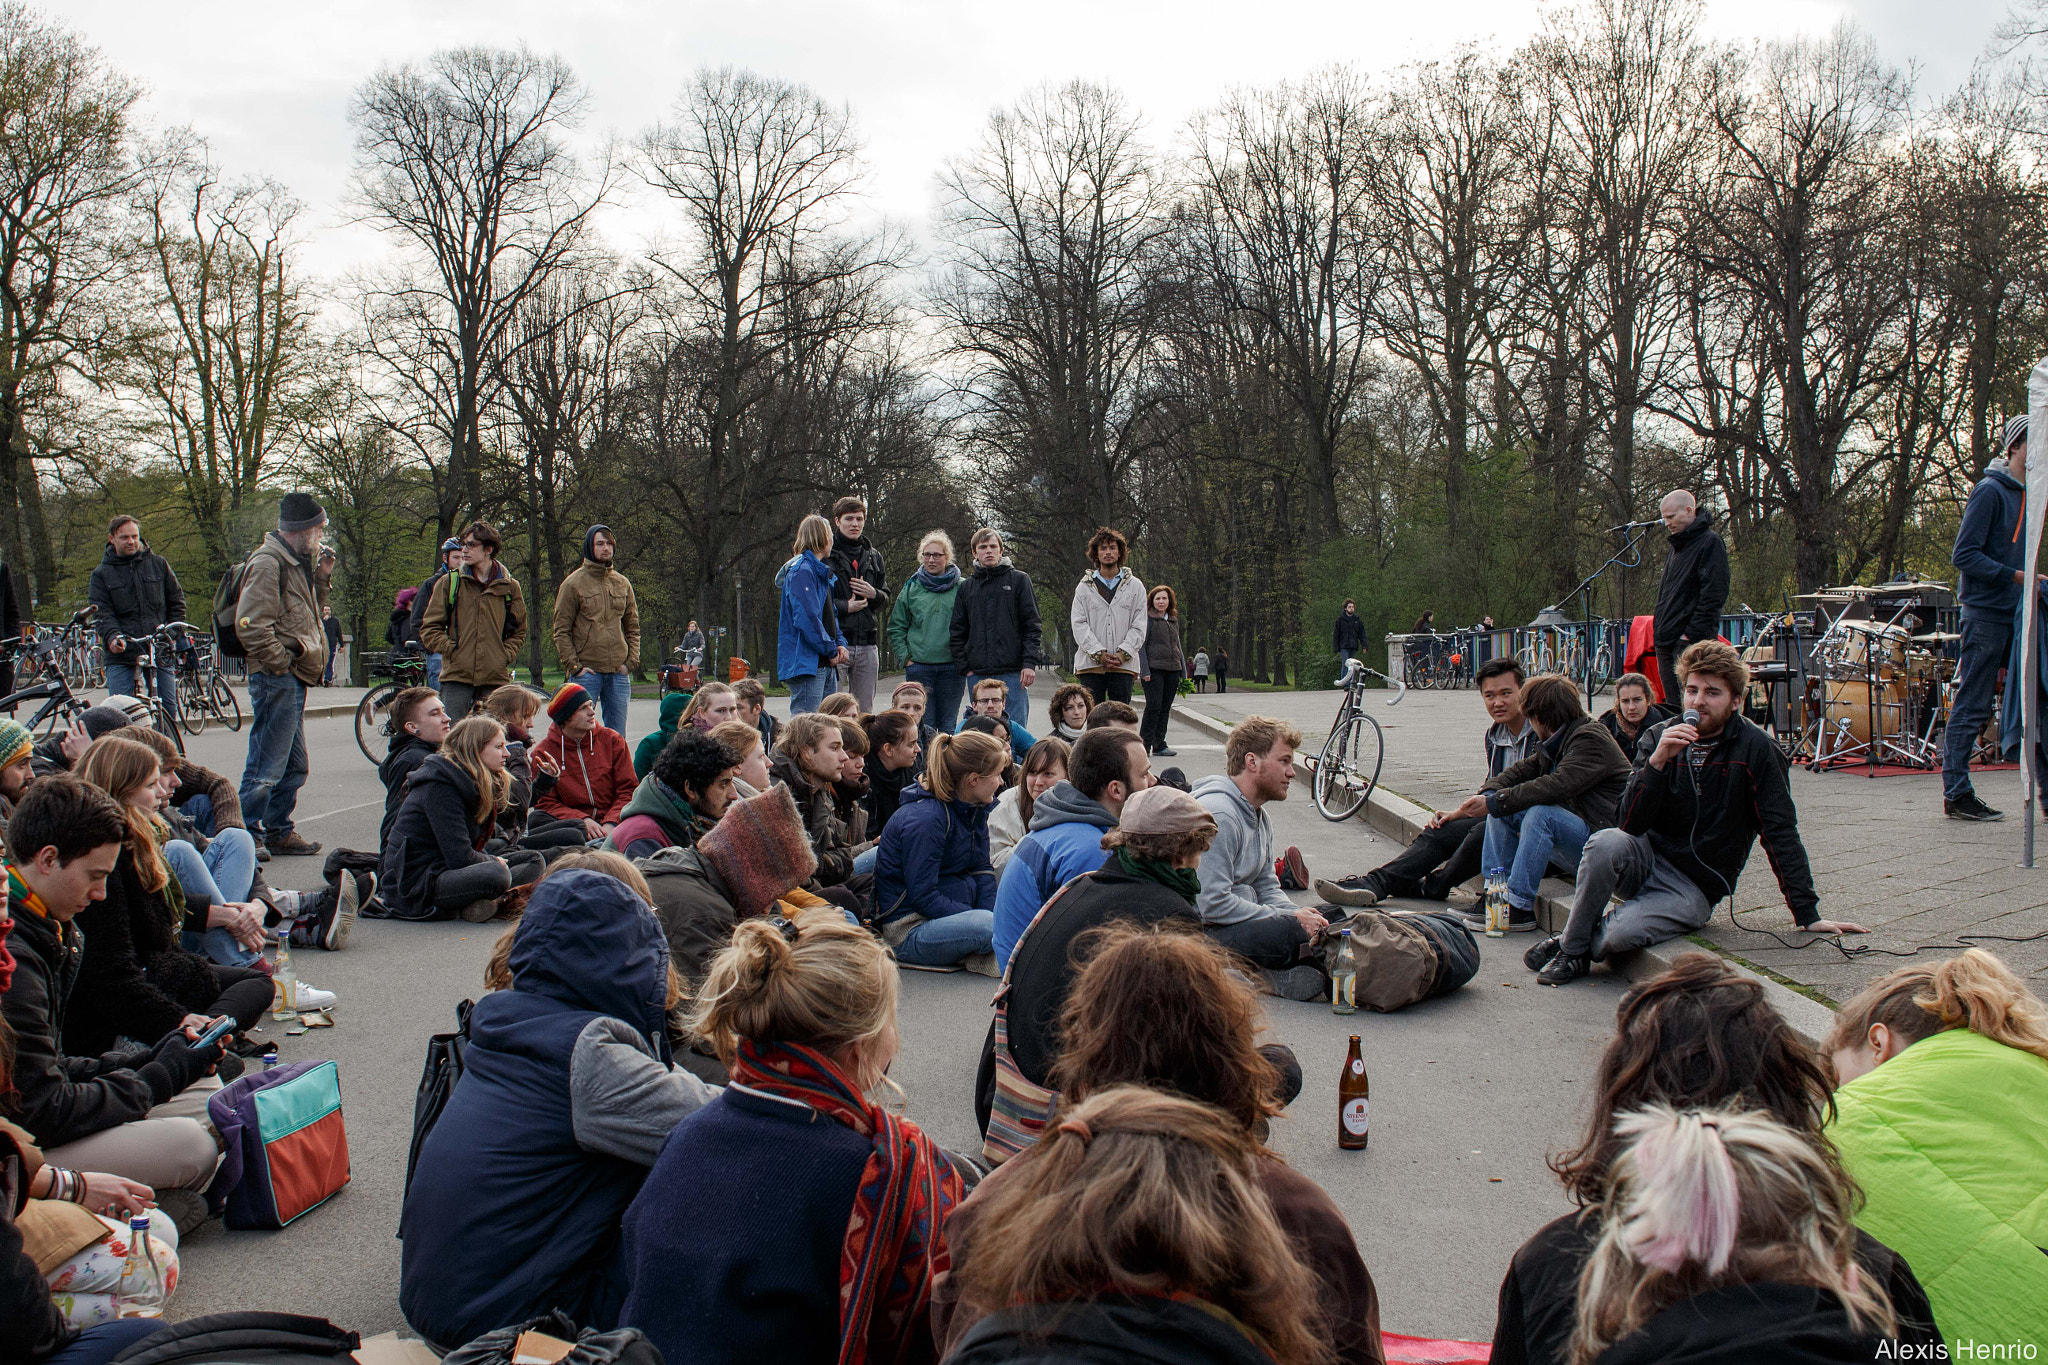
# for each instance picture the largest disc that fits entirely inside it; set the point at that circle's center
(286, 1148)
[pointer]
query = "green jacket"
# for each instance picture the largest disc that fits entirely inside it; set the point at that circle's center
(921, 623)
(1949, 1141)
(672, 707)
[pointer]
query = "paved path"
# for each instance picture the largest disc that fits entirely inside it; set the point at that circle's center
(1882, 853)
(1470, 1093)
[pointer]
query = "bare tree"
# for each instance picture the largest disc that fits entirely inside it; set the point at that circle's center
(465, 160)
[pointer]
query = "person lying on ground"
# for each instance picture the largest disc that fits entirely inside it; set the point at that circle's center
(935, 893)
(687, 792)
(1241, 903)
(1943, 1119)
(792, 1217)
(433, 867)
(1699, 1036)
(1067, 823)
(1043, 768)
(1685, 829)
(1447, 853)
(59, 752)
(596, 778)
(567, 1095)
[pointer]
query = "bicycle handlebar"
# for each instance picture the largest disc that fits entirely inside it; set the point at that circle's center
(1355, 667)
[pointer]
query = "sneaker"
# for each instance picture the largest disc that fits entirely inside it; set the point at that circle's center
(1521, 921)
(291, 845)
(981, 964)
(1968, 807)
(1564, 968)
(1475, 920)
(262, 853)
(187, 1208)
(228, 1068)
(1163, 752)
(1302, 983)
(311, 997)
(1293, 870)
(479, 912)
(1540, 953)
(1338, 893)
(921, 967)
(334, 914)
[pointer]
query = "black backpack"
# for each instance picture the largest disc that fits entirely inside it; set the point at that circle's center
(620, 1346)
(253, 1337)
(227, 600)
(445, 1062)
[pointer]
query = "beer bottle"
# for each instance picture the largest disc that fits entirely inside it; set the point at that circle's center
(1344, 976)
(1354, 1102)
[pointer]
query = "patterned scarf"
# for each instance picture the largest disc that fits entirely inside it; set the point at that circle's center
(18, 897)
(893, 1249)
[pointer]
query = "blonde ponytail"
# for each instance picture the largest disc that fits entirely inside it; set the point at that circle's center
(1972, 990)
(829, 986)
(951, 759)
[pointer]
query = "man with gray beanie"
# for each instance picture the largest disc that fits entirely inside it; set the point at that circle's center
(277, 617)
(1990, 560)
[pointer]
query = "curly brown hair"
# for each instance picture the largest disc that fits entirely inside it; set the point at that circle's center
(1104, 536)
(1057, 707)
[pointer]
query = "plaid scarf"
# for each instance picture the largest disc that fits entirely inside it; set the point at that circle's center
(893, 1249)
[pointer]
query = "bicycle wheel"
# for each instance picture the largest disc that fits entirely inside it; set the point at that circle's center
(1349, 767)
(222, 699)
(193, 704)
(165, 723)
(370, 720)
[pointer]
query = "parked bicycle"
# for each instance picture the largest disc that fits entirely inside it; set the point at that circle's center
(203, 694)
(1348, 768)
(405, 667)
(143, 652)
(60, 705)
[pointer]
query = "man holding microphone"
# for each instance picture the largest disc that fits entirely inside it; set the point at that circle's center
(1714, 785)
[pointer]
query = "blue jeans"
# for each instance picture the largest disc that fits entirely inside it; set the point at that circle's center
(277, 764)
(943, 942)
(611, 692)
(221, 875)
(807, 691)
(434, 671)
(942, 685)
(1531, 842)
(1018, 705)
(866, 862)
(99, 1344)
(199, 810)
(121, 682)
(1986, 644)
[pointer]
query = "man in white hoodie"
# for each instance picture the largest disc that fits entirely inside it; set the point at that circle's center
(1241, 904)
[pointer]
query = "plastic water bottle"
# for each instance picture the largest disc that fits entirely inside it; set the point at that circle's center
(286, 1004)
(141, 1293)
(1497, 902)
(270, 1056)
(1344, 976)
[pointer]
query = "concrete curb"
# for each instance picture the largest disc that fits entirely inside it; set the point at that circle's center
(1401, 819)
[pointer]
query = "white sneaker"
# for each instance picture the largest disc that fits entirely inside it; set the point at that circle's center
(313, 998)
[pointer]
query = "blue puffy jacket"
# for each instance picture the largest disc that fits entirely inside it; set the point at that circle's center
(1064, 841)
(509, 1214)
(808, 635)
(933, 859)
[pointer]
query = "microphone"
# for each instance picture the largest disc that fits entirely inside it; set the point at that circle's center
(1634, 525)
(1694, 753)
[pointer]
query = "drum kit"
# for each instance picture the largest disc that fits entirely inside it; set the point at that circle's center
(1877, 692)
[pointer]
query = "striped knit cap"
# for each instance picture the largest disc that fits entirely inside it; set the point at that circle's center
(15, 741)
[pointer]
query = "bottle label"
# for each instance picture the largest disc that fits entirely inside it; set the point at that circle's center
(1358, 1116)
(1357, 1067)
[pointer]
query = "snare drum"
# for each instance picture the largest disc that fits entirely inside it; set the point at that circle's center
(1864, 649)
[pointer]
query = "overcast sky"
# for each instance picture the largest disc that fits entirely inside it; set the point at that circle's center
(268, 84)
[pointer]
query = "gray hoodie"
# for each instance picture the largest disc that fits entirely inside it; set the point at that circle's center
(1238, 882)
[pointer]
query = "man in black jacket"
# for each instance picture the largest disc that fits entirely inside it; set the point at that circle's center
(1348, 636)
(860, 594)
(135, 1112)
(1694, 587)
(1687, 823)
(995, 628)
(136, 592)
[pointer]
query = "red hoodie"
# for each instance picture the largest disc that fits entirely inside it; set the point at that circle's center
(597, 776)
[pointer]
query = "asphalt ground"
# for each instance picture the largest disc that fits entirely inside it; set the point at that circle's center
(1470, 1093)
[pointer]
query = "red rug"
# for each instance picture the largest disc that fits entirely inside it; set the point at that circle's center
(1422, 1351)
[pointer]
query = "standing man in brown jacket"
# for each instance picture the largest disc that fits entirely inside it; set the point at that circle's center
(476, 623)
(278, 619)
(597, 628)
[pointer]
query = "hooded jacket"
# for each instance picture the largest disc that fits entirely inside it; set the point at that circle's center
(1065, 840)
(851, 559)
(60, 1096)
(1989, 547)
(1349, 632)
(807, 629)
(476, 626)
(135, 594)
(1786, 1324)
(597, 618)
(656, 818)
(650, 746)
(566, 1098)
(277, 616)
(995, 621)
(695, 910)
(597, 776)
(137, 980)
(1580, 768)
(407, 752)
(1704, 821)
(1109, 619)
(1695, 584)
(933, 859)
(1238, 882)
(436, 831)
(921, 622)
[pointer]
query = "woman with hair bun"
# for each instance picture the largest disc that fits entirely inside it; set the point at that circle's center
(935, 893)
(793, 1218)
(1943, 1119)
(1725, 1237)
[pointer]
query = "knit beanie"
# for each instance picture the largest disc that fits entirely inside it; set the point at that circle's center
(299, 512)
(568, 698)
(15, 741)
(2015, 432)
(759, 850)
(113, 713)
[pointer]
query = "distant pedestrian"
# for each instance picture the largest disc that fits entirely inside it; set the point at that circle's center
(693, 645)
(809, 643)
(1222, 669)
(451, 560)
(1347, 637)
(860, 595)
(1425, 624)
(136, 592)
(1108, 620)
(1163, 663)
(278, 619)
(921, 629)
(597, 628)
(996, 632)
(1199, 670)
(476, 622)
(332, 628)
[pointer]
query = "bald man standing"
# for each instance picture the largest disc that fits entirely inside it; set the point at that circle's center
(1695, 585)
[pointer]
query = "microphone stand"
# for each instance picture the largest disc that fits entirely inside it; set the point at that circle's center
(1629, 556)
